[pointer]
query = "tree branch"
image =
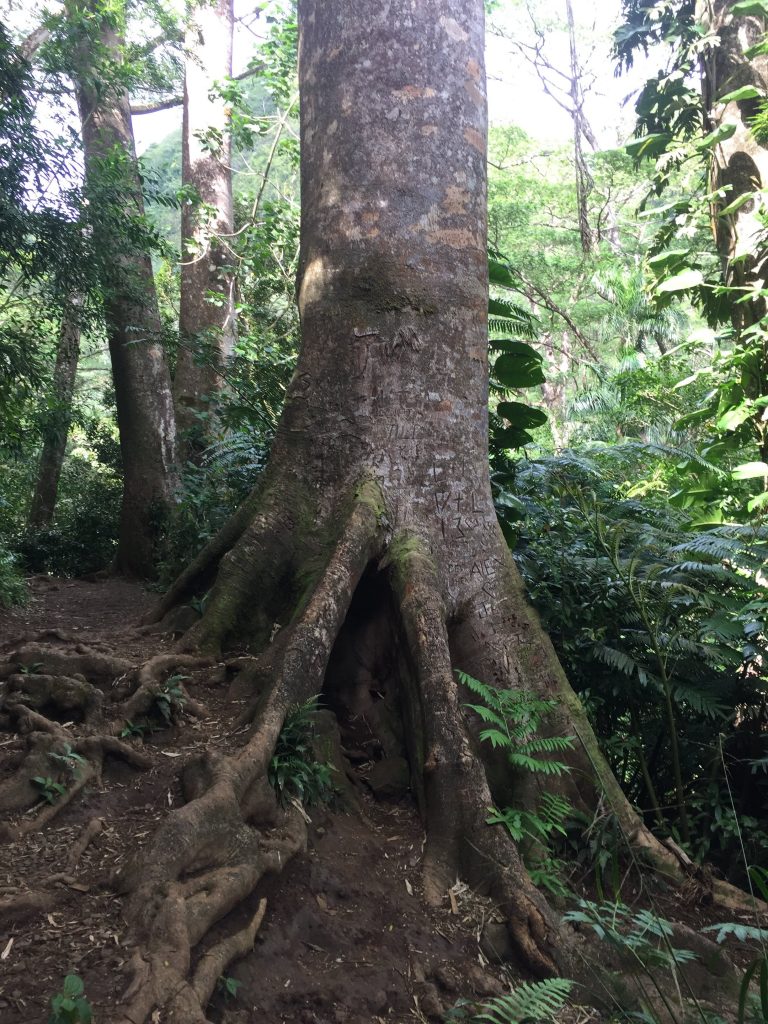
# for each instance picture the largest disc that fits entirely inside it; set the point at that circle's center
(553, 307)
(153, 108)
(176, 101)
(29, 46)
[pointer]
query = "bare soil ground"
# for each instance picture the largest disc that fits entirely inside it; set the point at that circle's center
(347, 937)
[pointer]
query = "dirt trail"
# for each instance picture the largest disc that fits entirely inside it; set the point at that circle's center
(347, 937)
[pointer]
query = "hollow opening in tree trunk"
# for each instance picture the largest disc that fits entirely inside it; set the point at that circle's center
(370, 686)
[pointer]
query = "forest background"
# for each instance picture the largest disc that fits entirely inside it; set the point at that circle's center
(629, 444)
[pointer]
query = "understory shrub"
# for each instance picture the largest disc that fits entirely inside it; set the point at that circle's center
(660, 625)
(209, 494)
(83, 536)
(13, 589)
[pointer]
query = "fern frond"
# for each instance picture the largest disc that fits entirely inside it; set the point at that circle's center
(495, 737)
(534, 764)
(539, 1000)
(487, 714)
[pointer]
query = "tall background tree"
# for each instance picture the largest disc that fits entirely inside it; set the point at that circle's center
(59, 420)
(207, 308)
(140, 371)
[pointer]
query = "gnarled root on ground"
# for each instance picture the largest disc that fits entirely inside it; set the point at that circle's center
(68, 708)
(78, 761)
(208, 856)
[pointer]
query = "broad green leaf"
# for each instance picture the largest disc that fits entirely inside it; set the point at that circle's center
(663, 259)
(519, 367)
(758, 503)
(758, 50)
(73, 986)
(746, 92)
(734, 417)
(499, 273)
(648, 145)
(712, 518)
(511, 437)
(750, 470)
(720, 134)
(521, 415)
(509, 503)
(750, 7)
(682, 281)
(738, 203)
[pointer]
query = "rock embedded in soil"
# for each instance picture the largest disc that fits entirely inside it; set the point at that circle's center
(495, 942)
(389, 779)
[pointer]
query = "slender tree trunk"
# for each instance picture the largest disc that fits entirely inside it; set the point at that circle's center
(559, 361)
(139, 368)
(207, 313)
(740, 164)
(57, 423)
(584, 183)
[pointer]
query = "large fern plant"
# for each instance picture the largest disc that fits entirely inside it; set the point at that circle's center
(513, 720)
(536, 1001)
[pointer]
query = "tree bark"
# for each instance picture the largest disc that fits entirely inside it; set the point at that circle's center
(381, 456)
(373, 523)
(740, 164)
(139, 367)
(207, 312)
(58, 420)
(584, 183)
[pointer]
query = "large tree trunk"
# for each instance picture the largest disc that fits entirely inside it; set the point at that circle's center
(207, 312)
(373, 531)
(139, 368)
(58, 420)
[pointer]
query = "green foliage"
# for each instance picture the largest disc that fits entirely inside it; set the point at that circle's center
(68, 760)
(50, 789)
(169, 700)
(675, 128)
(209, 494)
(293, 771)
(133, 730)
(70, 1006)
(536, 1001)
(228, 986)
(83, 536)
(513, 720)
(757, 970)
(646, 613)
(641, 934)
(13, 588)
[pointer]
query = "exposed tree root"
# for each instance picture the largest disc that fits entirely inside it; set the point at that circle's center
(54, 752)
(61, 693)
(86, 837)
(456, 793)
(150, 678)
(15, 909)
(184, 911)
(63, 760)
(99, 668)
(208, 856)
